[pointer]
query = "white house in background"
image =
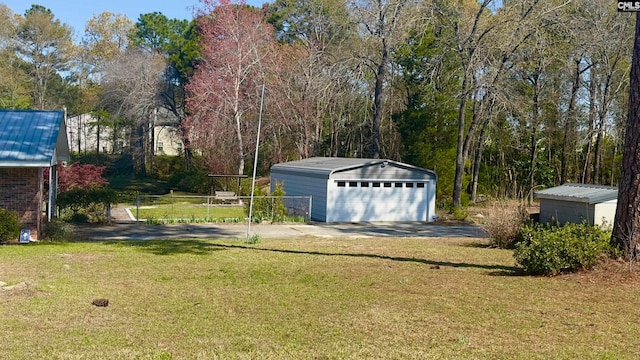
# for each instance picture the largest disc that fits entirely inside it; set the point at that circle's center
(83, 137)
(359, 190)
(577, 203)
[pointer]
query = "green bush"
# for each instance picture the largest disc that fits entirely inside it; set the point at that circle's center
(555, 249)
(267, 208)
(165, 166)
(56, 230)
(459, 213)
(195, 181)
(9, 226)
(86, 205)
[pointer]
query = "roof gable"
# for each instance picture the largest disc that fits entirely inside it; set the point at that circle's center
(584, 193)
(32, 138)
(330, 165)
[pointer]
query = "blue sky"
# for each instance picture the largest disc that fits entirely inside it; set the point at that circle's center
(76, 13)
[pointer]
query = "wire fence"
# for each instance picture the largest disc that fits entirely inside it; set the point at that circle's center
(225, 208)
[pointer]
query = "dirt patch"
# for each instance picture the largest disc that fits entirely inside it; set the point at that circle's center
(609, 273)
(23, 288)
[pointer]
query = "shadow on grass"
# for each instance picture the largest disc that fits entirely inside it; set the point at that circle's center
(515, 272)
(170, 247)
(197, 247)
(478, 245)
(432, 263)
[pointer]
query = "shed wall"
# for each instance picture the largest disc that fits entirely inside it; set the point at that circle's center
(565, 211)
(304, 185)
(605, 213)
(21, 191)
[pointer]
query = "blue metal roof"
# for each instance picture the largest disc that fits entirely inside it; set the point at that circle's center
(32, 138)
(583, 193)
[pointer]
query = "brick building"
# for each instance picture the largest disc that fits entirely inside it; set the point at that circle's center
(30, 141)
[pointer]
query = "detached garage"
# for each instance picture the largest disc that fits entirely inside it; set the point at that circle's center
(357, 190)
(577, 203)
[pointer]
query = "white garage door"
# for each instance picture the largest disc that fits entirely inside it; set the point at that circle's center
(362, 200)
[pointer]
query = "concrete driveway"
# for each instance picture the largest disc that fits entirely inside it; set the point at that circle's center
(141, 231)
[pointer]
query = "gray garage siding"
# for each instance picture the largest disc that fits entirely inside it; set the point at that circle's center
(296, 185)
(565, 211)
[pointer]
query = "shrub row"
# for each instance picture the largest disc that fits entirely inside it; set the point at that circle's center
(544, 249)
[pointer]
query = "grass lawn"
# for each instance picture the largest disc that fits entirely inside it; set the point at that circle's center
(307, 298)
(190, 212)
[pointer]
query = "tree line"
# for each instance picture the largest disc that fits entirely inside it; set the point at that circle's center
(500, 98)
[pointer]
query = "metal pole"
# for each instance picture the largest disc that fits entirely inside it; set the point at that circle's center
(255, 165)
(310, 200)
(137, 207)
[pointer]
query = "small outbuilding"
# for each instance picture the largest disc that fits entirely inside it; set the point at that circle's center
(359, 190)
(577, 203)
(30, 141)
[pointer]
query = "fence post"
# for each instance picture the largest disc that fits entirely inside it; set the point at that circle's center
(310, 199)
(208, 206)
(137, 207)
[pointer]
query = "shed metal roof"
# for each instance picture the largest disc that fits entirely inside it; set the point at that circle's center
(584, 193)
(32, 138)
(330, 165)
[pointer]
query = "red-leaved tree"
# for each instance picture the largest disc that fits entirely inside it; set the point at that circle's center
(223, 95)
(78, 176)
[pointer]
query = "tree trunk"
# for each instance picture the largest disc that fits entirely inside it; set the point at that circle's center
(240, 145)
(460, 158)
(381, 73)
(597, 156)
(602, 114)
(535, 113)
(569, 126)
(626, 227)
(152, 140)
(586, 169)
(80, 122)
(98, 137)
(142, 149)
(478, 160)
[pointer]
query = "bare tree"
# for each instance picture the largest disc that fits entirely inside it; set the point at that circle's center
(383, 25)
(131, 85)
(224, 90)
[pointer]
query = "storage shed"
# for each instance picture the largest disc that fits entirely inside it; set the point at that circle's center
(30, 141)
(576, 203)
(358, 190)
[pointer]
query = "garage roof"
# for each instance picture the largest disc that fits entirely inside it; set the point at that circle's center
(329, 165)
(32, 138)
(584, 193)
